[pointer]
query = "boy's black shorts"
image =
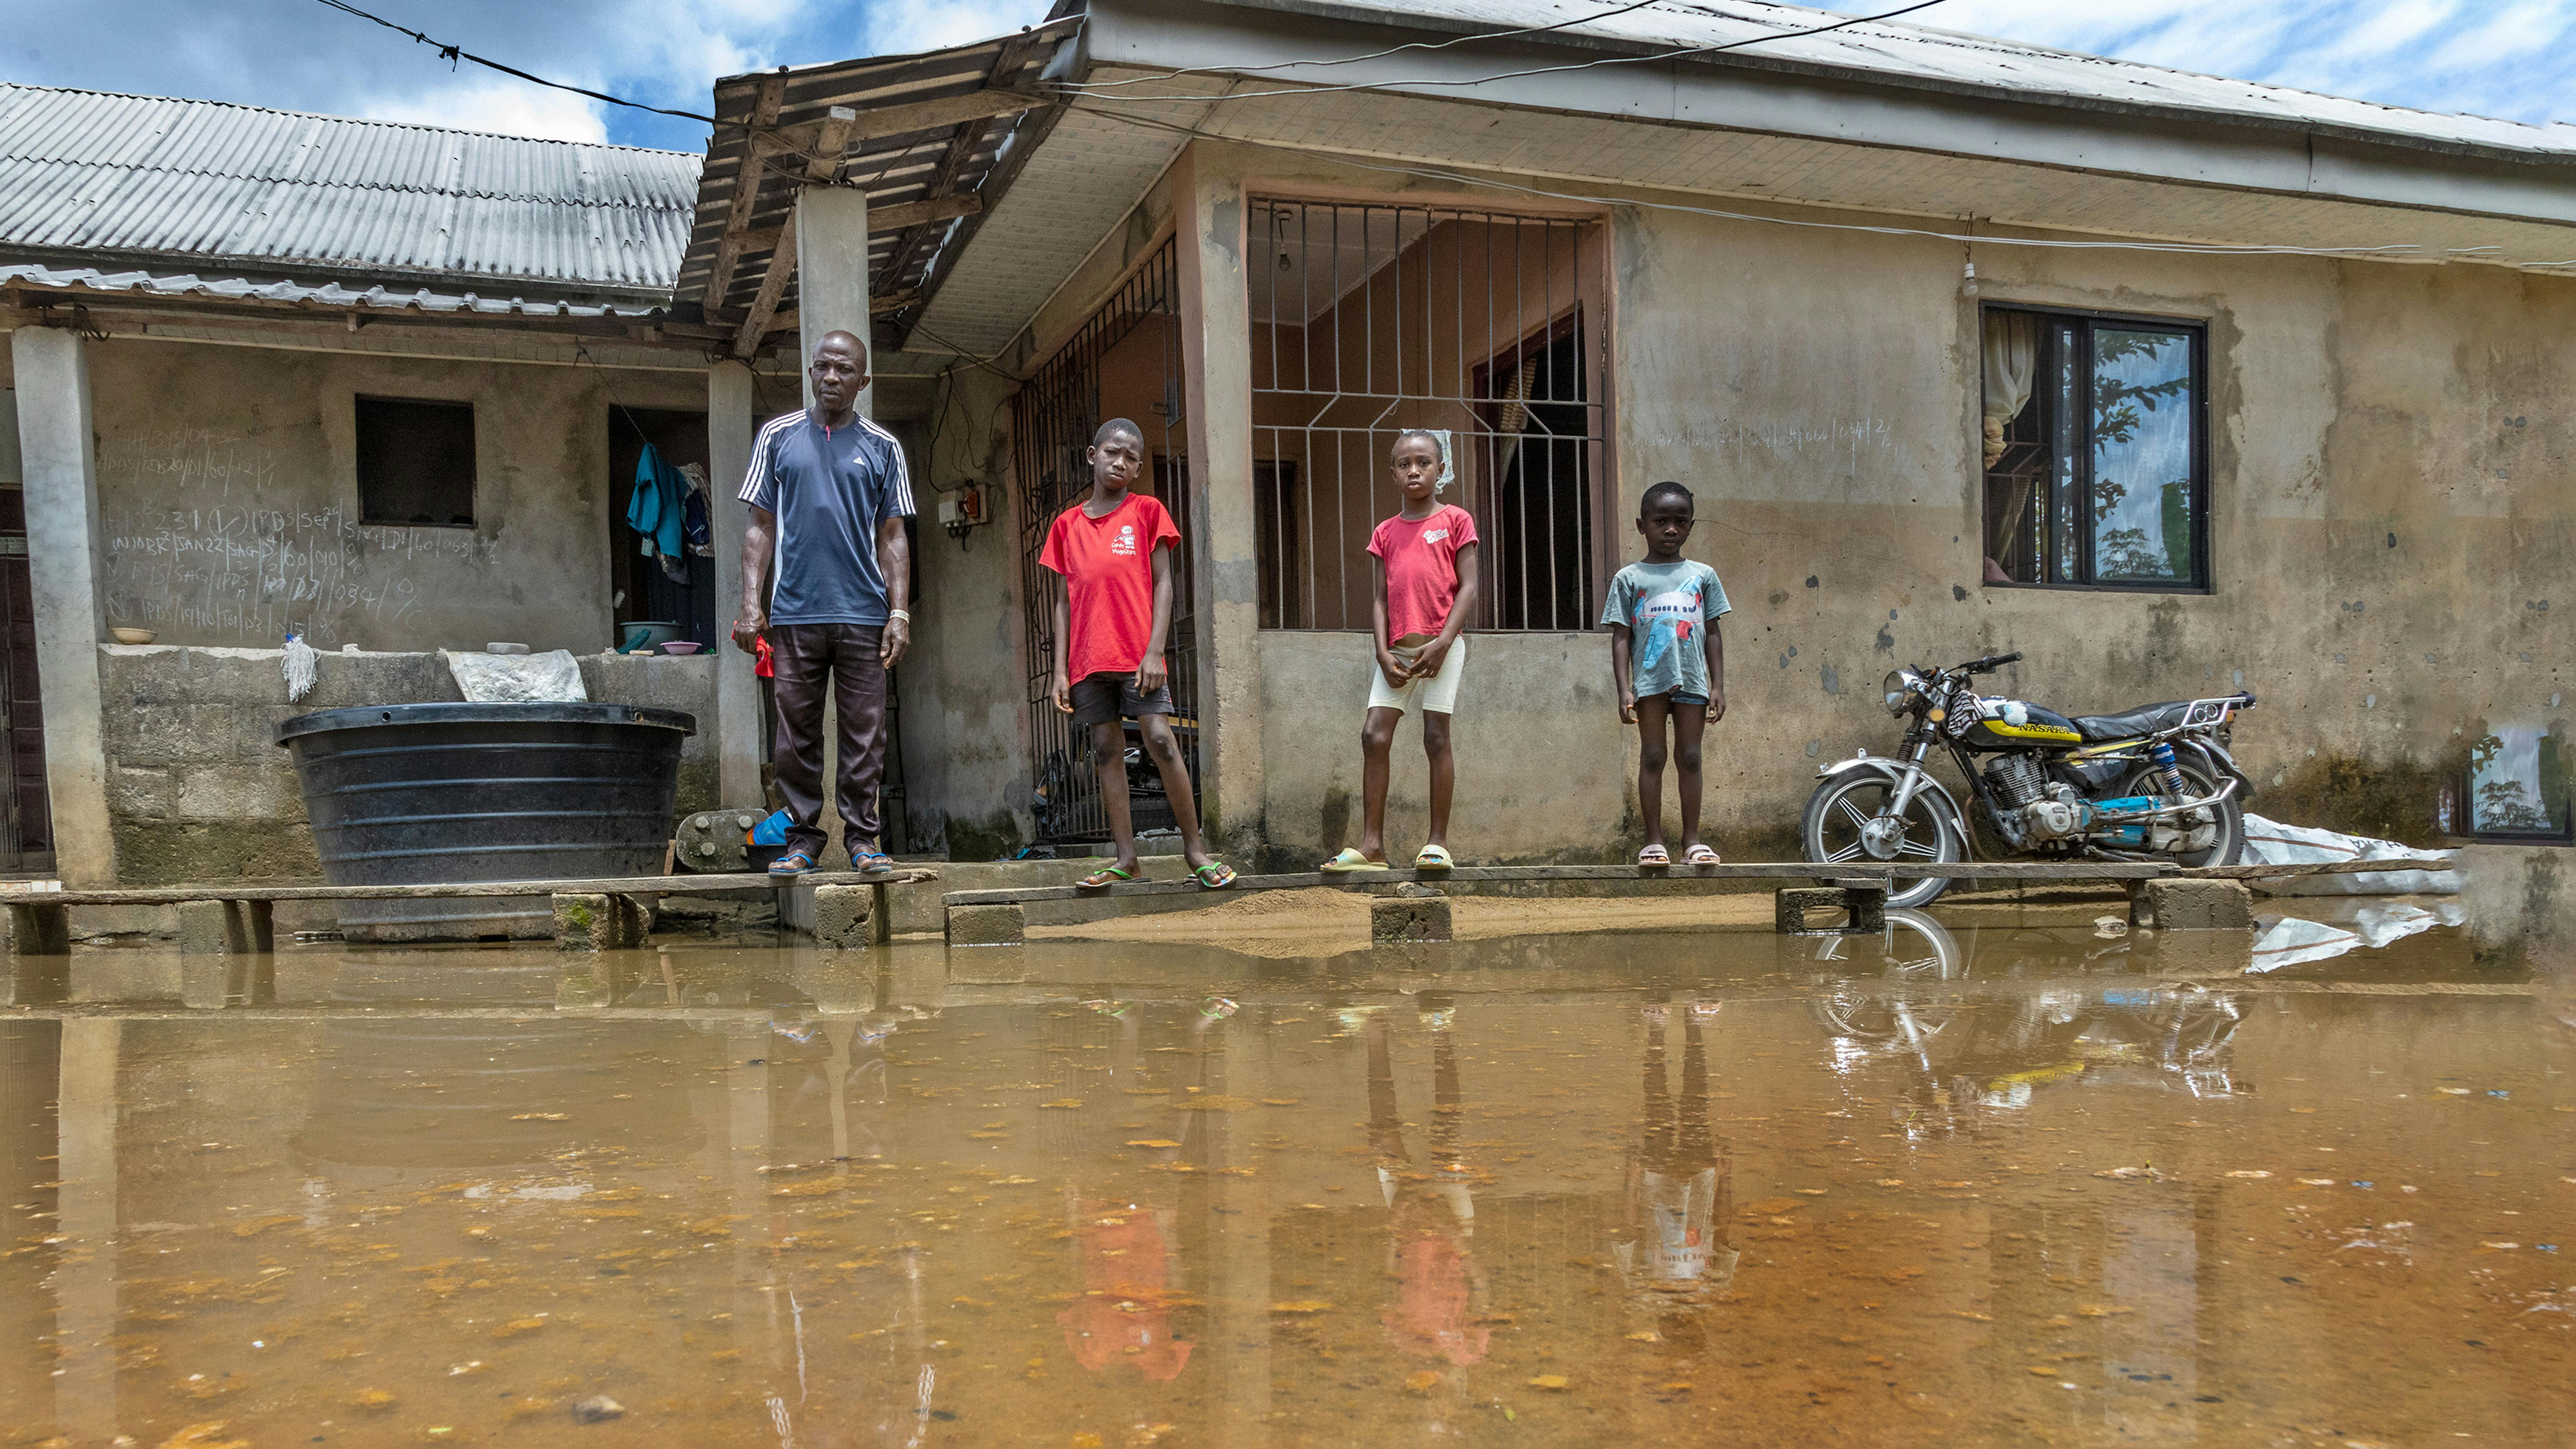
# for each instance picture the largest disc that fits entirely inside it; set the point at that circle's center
(1107, 697)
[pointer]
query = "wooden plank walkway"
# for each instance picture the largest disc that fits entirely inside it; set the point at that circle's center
(2034, 872)
(636, 885)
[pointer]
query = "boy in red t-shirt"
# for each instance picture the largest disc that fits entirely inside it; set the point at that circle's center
(1422, 578)
(1110, 621)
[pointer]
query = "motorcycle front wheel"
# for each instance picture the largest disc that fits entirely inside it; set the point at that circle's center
(1849, 814)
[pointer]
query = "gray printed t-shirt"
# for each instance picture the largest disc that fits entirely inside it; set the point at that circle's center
(1666, 607)
(829, 488)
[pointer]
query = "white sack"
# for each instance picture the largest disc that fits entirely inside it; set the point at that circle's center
(517, 678)
(2269, 842)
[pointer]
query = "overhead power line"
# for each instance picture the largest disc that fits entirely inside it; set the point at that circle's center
(454, 53)
(1679, 53)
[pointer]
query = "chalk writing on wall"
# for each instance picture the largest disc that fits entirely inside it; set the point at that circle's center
(205, 539)
(1741, 440)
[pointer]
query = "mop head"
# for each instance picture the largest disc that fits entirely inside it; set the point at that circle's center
(300, 666)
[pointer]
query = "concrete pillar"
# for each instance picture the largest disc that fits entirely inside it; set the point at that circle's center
(832, 273)
(730, 430)
(1217, 372)
(61, 466)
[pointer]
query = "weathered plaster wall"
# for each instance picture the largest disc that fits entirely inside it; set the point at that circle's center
(2389, 474)
(1529, 788)
(229, 503)
(965, 711)
(198, 790)
(2390, 453)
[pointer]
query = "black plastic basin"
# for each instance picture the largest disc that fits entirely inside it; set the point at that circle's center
(416, 794)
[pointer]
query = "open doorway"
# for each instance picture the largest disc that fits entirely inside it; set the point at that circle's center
(26, 816)
(641, 587)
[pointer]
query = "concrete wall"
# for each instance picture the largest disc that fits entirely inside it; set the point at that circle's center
(228, 499)
(198, 790)
(2390, 515)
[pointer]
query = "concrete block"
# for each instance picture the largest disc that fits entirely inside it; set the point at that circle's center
(1004, 925)
(224, 954)
(141, 791)
(1862, 904)
(210, 928)
(846, 916)
(598, 923)
(235, 792)
(2192, 905)
(1409, 918)
(915, 907)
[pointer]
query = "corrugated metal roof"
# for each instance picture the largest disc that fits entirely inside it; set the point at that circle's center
(1902, 52)
(75, 281)
(143, 176)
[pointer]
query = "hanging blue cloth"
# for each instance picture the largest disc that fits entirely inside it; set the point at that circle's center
(658, 507)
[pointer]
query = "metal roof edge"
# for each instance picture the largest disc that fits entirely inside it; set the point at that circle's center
(1356, 12)
(343, 120)
(793, 72)
(269, 271)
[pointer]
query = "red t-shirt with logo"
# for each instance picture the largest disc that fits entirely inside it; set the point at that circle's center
(1108, 568)
(1421, 557)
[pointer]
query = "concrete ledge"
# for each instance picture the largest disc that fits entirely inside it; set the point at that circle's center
(915, 907)
(1863, 904)
(2192, 905)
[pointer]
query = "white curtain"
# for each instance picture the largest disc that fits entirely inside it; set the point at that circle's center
(2012, 358)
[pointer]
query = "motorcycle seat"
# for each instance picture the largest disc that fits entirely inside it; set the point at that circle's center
(2146, 719)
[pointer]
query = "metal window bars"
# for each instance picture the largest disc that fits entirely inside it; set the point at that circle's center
(1370, 320)
(1124, 361)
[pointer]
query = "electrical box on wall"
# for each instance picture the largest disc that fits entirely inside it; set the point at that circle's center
(962, 510)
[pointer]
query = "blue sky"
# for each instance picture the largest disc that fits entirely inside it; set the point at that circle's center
(2508, 58)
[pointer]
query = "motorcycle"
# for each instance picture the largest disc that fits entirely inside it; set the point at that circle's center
(2154, 783)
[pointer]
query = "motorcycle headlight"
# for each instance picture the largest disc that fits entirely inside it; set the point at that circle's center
(1899, 689)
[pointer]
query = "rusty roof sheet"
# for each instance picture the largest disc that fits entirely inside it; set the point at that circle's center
(136, 178)
(74, 283)
(974, 158)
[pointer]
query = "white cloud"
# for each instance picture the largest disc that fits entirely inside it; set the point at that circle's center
(897, 26)
(502, 104)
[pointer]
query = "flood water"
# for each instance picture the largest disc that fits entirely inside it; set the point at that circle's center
(2013, 1180)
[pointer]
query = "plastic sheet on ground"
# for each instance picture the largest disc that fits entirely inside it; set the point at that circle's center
(2294, 941)
(516, 678)
(2269, 842)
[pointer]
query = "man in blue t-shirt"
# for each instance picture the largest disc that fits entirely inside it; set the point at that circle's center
(828, 494)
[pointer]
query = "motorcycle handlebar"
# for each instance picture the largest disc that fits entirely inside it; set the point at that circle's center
(1990, 663)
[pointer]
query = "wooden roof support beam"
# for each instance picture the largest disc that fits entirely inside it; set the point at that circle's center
(904, 120)
(773, 286)
(746, 189)
(831, 145)
(883, 218)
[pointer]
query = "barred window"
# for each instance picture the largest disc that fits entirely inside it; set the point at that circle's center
(1482, 327)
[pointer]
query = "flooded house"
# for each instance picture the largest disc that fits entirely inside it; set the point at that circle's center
(2176, 384)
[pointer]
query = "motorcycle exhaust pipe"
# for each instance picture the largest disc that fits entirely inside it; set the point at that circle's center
(2139, 817)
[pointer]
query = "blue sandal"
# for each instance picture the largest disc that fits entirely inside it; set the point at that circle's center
(871, 862)
(793, 863)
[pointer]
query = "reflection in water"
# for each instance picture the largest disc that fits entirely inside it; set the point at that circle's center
(1951, 1185)
(1673, 1252)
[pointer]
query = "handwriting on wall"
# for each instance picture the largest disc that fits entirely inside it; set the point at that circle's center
(1743, 441)
(207, 540)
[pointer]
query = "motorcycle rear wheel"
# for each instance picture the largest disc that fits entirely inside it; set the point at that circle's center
(1831, 832)
(2229, 848)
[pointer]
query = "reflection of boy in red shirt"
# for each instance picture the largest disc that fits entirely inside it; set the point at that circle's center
(1114, 552)
(1124, 1312)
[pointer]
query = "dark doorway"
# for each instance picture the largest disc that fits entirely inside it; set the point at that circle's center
(640, 586)
(26, 817)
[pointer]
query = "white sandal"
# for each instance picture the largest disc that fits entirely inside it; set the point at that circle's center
(1350, 862)
(1434, 857)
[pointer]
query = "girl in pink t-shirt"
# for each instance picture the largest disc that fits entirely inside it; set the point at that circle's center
(1422, 579)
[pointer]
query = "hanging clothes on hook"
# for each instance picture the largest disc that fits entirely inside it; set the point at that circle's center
(658, 509)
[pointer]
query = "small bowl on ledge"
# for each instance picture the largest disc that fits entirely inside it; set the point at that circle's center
(681, 646)
(134, 636)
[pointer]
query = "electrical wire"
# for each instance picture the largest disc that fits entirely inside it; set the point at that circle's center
(1460, 179)
(1374, 54)
(954, 350)
(454, 53)
(1682, 53)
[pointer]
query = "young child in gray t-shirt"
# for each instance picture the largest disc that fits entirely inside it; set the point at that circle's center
(1668, 662)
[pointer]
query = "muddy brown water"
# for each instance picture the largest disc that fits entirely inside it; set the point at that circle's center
(2010, 1180)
